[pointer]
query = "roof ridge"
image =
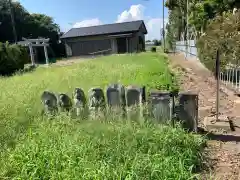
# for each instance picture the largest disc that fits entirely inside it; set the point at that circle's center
(109, 24)
(128, 26)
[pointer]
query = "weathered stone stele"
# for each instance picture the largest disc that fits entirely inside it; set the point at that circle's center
(160, 105)
(134, 102)
(133, 96)
(113, 96)
(116, 99)
(188, 110)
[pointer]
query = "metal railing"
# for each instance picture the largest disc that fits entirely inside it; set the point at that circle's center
(231, 78)
(189, 49)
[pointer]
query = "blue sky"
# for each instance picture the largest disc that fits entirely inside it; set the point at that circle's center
(80, 13)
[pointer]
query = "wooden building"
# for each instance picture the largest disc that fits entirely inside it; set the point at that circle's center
(127, 37)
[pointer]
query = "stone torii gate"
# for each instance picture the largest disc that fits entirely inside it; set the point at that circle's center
(36, 43)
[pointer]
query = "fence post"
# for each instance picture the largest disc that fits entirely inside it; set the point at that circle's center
(236, 79)
(225, 77)
(188, 110)
(228, 76)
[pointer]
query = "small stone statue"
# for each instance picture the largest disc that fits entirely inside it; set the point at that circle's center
(49, 101)
(79, 100)
(96, 100)
(64, 102)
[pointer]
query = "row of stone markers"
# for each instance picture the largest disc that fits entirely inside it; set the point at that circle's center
(161, 106)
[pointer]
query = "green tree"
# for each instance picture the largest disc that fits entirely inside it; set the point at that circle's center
(28, 26)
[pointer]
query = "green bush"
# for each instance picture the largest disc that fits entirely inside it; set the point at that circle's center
(12, 58)
(222, 33)
(153, 49)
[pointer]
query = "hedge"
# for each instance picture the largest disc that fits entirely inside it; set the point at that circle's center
(12, 58)
(222, 33)
(153, 49)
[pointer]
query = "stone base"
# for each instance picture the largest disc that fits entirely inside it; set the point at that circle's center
(223, 123)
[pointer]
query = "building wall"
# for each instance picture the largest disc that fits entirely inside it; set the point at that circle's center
(134, 42)
(85, 46)
(77, 46)
(142, 35)
(88, 47)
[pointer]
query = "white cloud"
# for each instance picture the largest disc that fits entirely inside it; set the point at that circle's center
(88, 22)
(136, 12)
(154, 27)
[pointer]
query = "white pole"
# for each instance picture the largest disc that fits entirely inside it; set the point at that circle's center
(238, 83)
(31, 53)
(46, 54)
(187, 33)
(232, 77)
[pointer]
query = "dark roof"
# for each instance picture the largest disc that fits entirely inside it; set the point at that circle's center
(116, 28)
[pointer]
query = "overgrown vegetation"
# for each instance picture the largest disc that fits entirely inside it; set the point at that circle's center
(30, 26)
(34, 147)
(214, 25)
(66, 149)
(222, 33)
(153, 49)
(12, 58)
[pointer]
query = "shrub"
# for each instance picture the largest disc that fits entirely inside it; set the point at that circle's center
(222, 33)
(153, 49)
(12, 58)
(157, 42)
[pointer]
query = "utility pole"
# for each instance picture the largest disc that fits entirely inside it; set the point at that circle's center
(187, 43)
(163, 27)
(13, 21)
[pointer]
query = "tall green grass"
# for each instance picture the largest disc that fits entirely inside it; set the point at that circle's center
(33, 147)
(66, 149)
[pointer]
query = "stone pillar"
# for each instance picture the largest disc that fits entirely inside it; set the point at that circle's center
(188, 110)
(31, 53)
(46, 54)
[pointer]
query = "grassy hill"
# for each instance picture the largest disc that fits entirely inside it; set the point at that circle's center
(34, 147)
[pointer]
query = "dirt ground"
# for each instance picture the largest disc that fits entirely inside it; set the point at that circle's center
(71, 61)
(223, 148)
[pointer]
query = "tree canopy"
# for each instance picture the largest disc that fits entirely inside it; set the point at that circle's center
(200, 13)
(28, 26)
(214, 23)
